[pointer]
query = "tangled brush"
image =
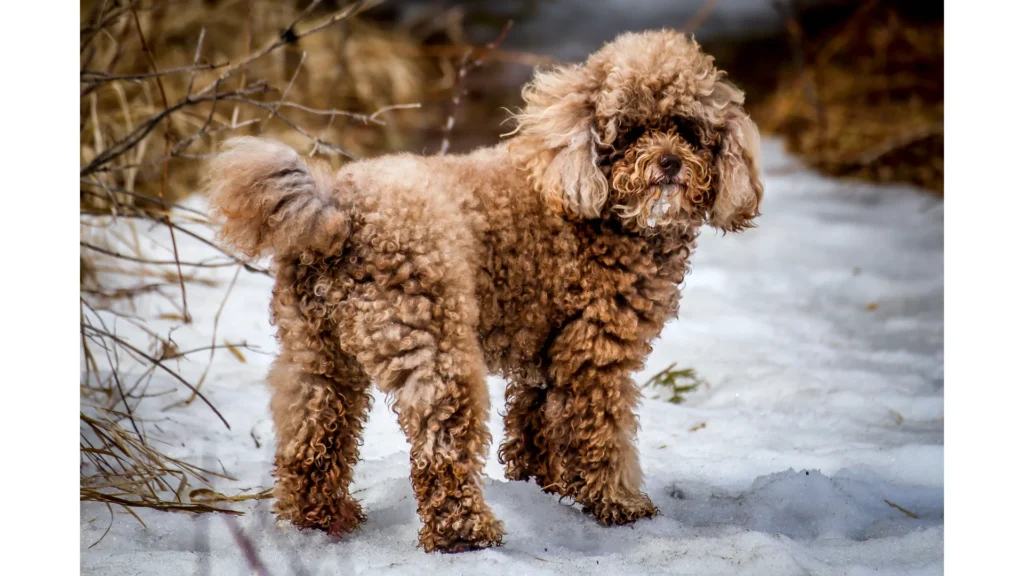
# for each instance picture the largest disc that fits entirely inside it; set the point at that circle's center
(864, 98)
(162, 84)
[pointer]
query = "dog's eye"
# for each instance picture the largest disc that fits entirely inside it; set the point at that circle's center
(631, 136)
(688, 131)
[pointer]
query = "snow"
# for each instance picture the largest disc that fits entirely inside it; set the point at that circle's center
(820, 336)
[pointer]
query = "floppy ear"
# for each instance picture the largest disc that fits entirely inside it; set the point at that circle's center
(739, 189)
(557, 141)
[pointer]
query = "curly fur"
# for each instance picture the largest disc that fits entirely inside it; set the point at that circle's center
(553, 259)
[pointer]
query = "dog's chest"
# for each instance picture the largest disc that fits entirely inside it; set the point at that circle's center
(532, 282)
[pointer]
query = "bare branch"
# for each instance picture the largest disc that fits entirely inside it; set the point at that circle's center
(97, 76)
(701, 16)
(158, 363)
(465, 65)
(114, 254)
(290, 36)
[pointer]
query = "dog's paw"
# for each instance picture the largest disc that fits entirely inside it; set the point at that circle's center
(338, 519)
(619, 511)
(474, 532)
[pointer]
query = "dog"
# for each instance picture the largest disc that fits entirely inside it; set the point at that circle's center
(552, 259)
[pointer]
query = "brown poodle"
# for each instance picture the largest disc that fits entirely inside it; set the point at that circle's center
(552, 259)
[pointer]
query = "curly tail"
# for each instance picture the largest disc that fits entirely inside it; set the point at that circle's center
(269, 200)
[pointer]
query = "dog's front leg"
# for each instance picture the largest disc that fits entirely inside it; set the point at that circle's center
(589, 421)
(422, 351)
(522, 451)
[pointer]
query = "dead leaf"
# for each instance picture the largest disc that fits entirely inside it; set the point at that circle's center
(207, 495)
(235, 351)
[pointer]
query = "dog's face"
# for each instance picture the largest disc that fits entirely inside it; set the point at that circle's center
(661, 173)
(646, 131)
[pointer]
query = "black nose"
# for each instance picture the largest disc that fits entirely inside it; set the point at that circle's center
(670, 164)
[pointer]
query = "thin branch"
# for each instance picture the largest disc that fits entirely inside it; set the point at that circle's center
(98, 76)
(465, 65)
(701, 16)
(160, 365)
(796, 44)
(127, 192)
(373, 117)
(195, 62)
(86, 494)
(898, 143)
(284, 94)
(213, 339)
(114, 254)
(289, 36)
(294, 126)
(167, 149)
(124, 399)
(132, 139)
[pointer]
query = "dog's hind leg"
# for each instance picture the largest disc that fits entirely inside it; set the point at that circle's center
(320, 402)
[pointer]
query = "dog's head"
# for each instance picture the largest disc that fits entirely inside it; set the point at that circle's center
(646, 129)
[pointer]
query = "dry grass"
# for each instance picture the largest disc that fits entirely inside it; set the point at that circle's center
(674, 383)
(864, 98)
(162, 84)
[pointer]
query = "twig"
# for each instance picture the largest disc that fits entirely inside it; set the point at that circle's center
(95, 495)
(456, 51)
(366, 119)
(700, 16)
(908, 513)
(289, 36)
(124, 399)
(195, 61)
(284, 94)
(130, 140)
(159, 201)
(248, 266)
(796, 41)
(465, 65)
(101, 77)
(373, 117)
(247, 41)
(294, 126)
(167, 148)
(213, 339)
(894, 144)
(114, 254)
(160, 365)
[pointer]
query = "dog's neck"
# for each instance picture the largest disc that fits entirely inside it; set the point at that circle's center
(666, 244)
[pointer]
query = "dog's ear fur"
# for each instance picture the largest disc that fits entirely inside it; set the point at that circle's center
(739, 189)
(557, 141)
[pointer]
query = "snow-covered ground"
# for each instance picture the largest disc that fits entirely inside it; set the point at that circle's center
(815, 448)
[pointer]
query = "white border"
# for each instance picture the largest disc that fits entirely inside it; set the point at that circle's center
(40, 273)
(984, 315)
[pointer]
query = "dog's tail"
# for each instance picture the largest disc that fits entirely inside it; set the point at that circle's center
(269, 200)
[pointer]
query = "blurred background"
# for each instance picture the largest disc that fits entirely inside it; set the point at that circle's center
(853, 88)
